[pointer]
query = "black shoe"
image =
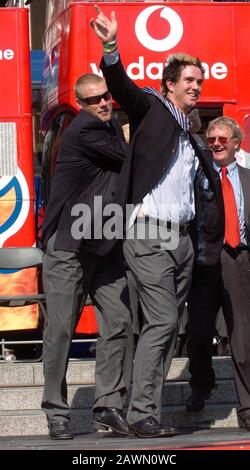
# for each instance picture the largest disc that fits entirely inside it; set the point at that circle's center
(111, 419)
(223, 346)
(196, 401)
(149, 427)
(59, 430)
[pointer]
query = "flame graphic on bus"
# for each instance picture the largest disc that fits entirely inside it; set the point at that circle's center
(13, 192)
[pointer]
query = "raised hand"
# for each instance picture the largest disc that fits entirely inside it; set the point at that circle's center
(105, 28)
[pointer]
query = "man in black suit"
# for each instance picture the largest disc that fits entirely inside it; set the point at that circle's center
(225, 283)
(158, 179)
(79, 260)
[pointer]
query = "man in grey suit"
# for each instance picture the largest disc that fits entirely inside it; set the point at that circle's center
(158, 176)
(225, 283)
(79, 260)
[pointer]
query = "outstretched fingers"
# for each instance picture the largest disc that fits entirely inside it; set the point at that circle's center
(101, 17)
(100, 30)
(104, 28)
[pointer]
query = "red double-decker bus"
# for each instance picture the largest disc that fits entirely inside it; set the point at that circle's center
(218, 33)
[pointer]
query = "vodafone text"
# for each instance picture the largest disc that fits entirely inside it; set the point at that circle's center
(139, 69)
(6, 54)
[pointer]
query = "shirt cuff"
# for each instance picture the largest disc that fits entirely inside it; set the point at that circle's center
(111, 59)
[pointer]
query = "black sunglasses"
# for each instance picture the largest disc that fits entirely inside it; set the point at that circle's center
(96, 99)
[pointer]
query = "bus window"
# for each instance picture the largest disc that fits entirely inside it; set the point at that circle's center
(207, 114)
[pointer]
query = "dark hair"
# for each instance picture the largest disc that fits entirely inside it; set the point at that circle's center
(174, 65)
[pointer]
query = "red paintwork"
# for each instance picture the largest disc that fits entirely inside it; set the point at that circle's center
(216, 32)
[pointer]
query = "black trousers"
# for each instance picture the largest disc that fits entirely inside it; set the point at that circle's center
(225, 285)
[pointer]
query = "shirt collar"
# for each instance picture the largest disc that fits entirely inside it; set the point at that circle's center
(180, 117)
(230, 168)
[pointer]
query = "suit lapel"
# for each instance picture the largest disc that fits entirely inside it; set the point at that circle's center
(116, 128)
(244, 176)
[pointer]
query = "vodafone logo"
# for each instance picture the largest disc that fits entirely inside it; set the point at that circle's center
(141, 68)
(159, 45)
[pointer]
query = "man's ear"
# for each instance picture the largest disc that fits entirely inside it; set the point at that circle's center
(237, 143)
(79, 103)
(169, 85)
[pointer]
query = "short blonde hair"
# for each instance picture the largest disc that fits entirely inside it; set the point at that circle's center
(224, 121)
(84, 80)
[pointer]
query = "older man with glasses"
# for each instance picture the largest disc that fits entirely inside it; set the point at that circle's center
(79, 260)
(225, 284)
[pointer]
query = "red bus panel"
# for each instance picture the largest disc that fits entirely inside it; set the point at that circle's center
(218, 33)
(17, 227)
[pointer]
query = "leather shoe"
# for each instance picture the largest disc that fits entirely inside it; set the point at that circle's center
(244, 422)
(110, 419)
(59, 430)
(196, 401)
(149, 427)
(223, 346)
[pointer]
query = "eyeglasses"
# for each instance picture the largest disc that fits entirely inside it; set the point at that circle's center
(222, 140)
(96, 99)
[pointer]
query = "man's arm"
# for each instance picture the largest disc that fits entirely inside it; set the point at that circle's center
(132, 100)
(105, 150)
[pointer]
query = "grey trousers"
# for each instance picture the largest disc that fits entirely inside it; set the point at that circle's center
(236, 282)
(227, 285)
(163, 279)
(68, 278)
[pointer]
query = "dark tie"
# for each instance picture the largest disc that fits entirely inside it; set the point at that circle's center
(232, 228)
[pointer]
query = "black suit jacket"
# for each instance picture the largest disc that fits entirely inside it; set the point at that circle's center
(156, 135)
(88, 165)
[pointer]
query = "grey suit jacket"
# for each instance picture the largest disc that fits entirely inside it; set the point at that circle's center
(244, 175)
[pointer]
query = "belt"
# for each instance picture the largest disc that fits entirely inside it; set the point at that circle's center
(237, 250)
(182, 228)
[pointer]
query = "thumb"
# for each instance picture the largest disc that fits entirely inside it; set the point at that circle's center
(93, 25)
(112, 16)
